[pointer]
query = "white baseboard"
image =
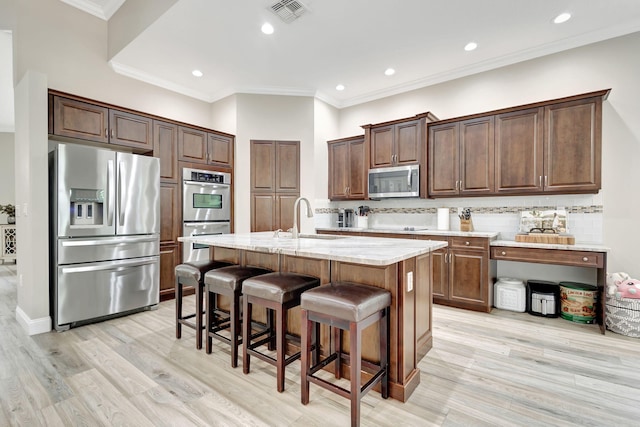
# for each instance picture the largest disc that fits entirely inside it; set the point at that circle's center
(33, 326)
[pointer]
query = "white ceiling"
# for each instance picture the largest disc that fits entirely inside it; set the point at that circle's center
(352, 42)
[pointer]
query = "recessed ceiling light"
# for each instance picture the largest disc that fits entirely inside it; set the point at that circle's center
(197, 73)
(389, 72)
(471, 46)
(563, 17)
(267, 28)
(340, 87)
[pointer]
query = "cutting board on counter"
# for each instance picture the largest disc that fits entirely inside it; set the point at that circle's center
(559, 239)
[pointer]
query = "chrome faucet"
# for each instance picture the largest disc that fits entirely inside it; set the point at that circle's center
(294, 230)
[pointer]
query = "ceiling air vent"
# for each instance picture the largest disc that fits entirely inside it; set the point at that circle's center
(288, 10)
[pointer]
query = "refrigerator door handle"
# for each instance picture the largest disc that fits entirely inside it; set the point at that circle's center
(104, 242)
(121, 177)
(114, 265)
(110, 192)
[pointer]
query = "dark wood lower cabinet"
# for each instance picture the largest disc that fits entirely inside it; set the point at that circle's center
(462, 273)
(169, 258)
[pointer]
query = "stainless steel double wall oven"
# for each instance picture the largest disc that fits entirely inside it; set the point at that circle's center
(206, 208)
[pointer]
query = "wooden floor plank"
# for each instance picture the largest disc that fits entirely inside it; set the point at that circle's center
(497, 369)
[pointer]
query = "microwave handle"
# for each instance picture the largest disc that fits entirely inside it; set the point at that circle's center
(409, 176)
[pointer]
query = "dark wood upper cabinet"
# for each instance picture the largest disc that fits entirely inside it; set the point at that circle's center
(77, 119)
(573, 146)
(192, 145)
(263, 166)
(130, 130)
(165, 147)
(547, 147)
(519, 150)
(287, 162)
(477, 156)
(382, 146)
(93, 122)
(396, 144)
(275, 166)
(220, 149)
(444, 160)
(199, 146)
(348, 165)
(461, 158)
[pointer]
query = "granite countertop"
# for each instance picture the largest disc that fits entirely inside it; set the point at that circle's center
(416, 231)
(354, 249)
(586, 247)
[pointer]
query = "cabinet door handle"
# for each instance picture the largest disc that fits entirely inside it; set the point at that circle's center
(106, 132)
(457, 185)
(113, 134)
(540, 180)
(546, 183)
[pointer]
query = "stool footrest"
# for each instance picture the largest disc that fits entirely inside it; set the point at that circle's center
(323, 363)
(341, 390)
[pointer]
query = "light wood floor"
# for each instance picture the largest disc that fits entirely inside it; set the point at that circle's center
(502, 369)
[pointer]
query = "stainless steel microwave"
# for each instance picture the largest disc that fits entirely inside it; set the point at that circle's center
(397, 181)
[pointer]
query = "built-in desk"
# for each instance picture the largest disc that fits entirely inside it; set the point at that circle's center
(579, 255)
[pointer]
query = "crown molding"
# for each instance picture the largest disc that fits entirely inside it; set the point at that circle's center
(103, 11)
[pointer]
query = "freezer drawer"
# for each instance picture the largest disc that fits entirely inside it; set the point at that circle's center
(74, 251)
(89, 291)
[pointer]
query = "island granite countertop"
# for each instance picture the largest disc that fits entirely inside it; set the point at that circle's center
(353, 249)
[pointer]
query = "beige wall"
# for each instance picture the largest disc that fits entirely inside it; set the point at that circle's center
(269, 117)
(7, 171)
(611, 64)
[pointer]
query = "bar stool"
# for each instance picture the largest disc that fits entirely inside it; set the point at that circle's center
(351, 307)
(278, 292)
(192, 274)
(227, 281)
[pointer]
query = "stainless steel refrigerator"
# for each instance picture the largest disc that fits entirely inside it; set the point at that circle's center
(104, 233)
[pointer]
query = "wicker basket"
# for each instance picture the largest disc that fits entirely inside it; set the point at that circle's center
(623, 316)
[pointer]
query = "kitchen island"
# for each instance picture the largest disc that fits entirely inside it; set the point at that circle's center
(401, 266)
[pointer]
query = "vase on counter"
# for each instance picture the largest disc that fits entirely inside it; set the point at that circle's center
(11, 220)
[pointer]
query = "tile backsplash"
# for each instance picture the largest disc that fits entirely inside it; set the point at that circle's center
(493, 214)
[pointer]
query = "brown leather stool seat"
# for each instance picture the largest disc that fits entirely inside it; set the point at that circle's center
(227, 281)
(278, 292)
(191, 274)
(351, 307)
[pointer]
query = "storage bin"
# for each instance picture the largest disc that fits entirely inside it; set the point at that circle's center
(509, 294)
(622, 316)
(578, 302)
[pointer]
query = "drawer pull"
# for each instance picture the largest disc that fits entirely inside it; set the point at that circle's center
(503, 253)
(467, 243)
(585, 259)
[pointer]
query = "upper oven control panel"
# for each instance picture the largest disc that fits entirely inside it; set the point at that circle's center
(213, 177)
